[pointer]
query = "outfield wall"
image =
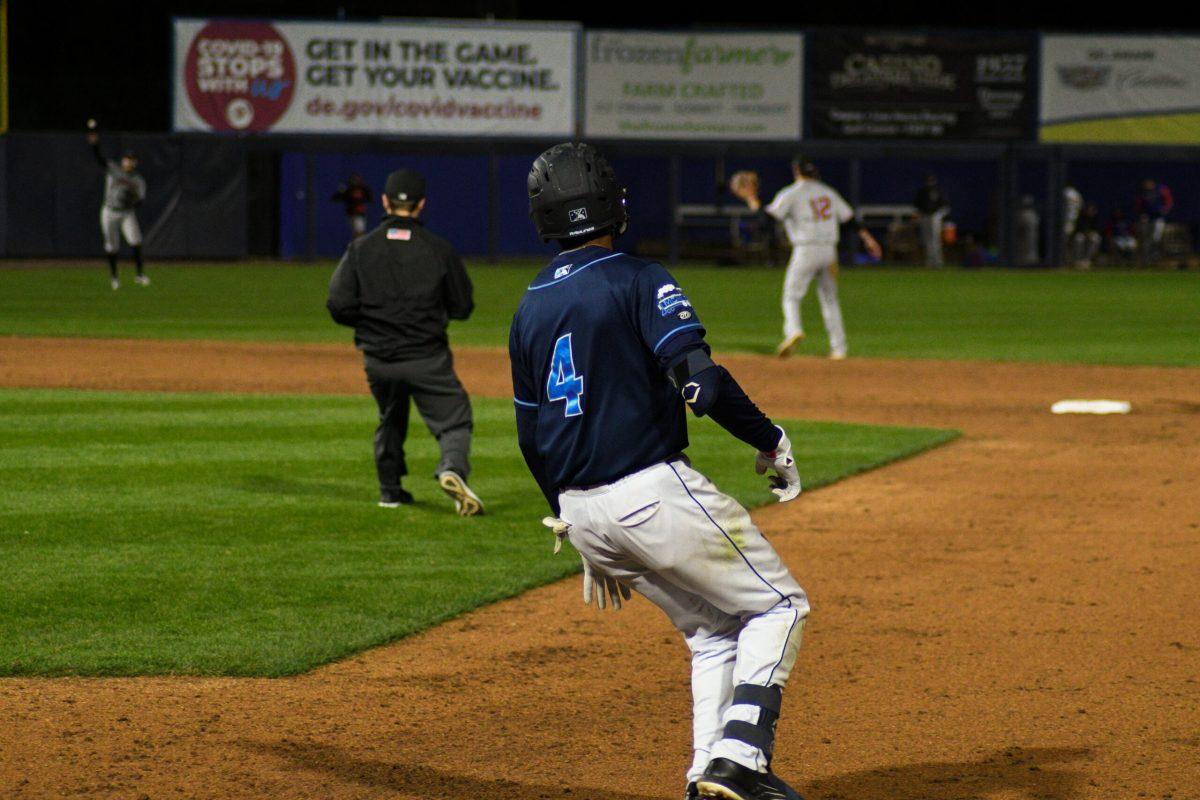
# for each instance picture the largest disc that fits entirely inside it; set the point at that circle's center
(225, 197)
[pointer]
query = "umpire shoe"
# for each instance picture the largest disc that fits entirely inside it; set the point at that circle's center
(394, 499)
(728, 780)
(466, 502)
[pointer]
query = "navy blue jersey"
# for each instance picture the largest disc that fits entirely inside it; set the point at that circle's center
(584, 345)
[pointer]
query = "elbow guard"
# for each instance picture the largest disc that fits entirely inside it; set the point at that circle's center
(697, 379)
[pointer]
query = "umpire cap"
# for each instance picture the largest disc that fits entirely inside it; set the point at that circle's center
(405, 186)
(573, 192)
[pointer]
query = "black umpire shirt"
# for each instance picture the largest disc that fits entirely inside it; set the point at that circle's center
(398, 287)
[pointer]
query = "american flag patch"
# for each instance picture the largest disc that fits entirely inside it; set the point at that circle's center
(399, 234)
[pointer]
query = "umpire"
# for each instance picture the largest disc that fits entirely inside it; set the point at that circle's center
(398, 286)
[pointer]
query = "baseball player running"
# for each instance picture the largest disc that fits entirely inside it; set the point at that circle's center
(812, 213)
(606, 352)
(124, 191)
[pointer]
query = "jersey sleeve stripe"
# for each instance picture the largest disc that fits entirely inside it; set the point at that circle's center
(672, 332)
(524, 403)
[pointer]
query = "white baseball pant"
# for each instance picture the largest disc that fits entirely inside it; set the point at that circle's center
(810, 261)
(115, 224)
(668, 533)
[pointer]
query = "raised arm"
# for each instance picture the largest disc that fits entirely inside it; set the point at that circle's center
(93, 139)
(744, 186)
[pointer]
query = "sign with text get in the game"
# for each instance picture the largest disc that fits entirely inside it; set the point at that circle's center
(380, 78)
(676, 86)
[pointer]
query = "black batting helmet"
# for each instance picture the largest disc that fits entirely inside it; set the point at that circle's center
(574, 192)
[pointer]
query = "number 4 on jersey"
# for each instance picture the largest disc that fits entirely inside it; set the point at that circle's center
(563, 383)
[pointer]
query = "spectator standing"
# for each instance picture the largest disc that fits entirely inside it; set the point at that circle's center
(932, 209)
(1072, 205)
(355, 195)
(1027, 232)
(1151, 207)
(1085, 240)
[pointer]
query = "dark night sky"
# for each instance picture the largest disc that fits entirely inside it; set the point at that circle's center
(110, 60)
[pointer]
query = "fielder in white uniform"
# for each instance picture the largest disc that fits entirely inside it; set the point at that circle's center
(812, 213)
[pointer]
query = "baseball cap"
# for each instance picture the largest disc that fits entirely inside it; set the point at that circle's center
(405, 185)
(803, 163)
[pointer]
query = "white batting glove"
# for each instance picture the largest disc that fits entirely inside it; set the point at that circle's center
(606, 589)
(560, 528)
(785, 483)
(601, 584)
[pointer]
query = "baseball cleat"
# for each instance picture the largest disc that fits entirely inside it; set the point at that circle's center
(394, 499)
(466, 502)
(691, 792)
(837, 356)
(116, 284)
(142, 280)
(728, 780)
(785, 347)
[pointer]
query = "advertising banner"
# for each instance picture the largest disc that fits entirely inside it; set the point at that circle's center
(684, 86)
(965, 86)
(375, 78)
(1121, 89)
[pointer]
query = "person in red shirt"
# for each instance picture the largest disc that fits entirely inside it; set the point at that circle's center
(1151, 206)
(355, 195)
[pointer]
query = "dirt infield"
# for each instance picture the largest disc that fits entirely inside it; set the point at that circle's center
(1011, 616)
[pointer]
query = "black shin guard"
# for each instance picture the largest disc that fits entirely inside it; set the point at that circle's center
(761, 734)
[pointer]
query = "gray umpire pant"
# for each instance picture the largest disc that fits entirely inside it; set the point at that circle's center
(430, 382)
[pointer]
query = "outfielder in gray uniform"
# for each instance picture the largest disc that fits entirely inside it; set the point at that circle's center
(124, 191)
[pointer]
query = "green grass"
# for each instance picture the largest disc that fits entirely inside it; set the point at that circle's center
(1104, 317)
(238, 535)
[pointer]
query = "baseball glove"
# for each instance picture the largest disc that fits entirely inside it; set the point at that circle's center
(744, 183)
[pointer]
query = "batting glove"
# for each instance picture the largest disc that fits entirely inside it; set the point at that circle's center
(596, 583)
(785, 483)
(560, 528)
(600, 584)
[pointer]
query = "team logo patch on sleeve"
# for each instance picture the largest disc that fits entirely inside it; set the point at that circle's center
(399, 234)
(672, 299)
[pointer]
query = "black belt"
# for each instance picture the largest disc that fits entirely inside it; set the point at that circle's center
(678, 457)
